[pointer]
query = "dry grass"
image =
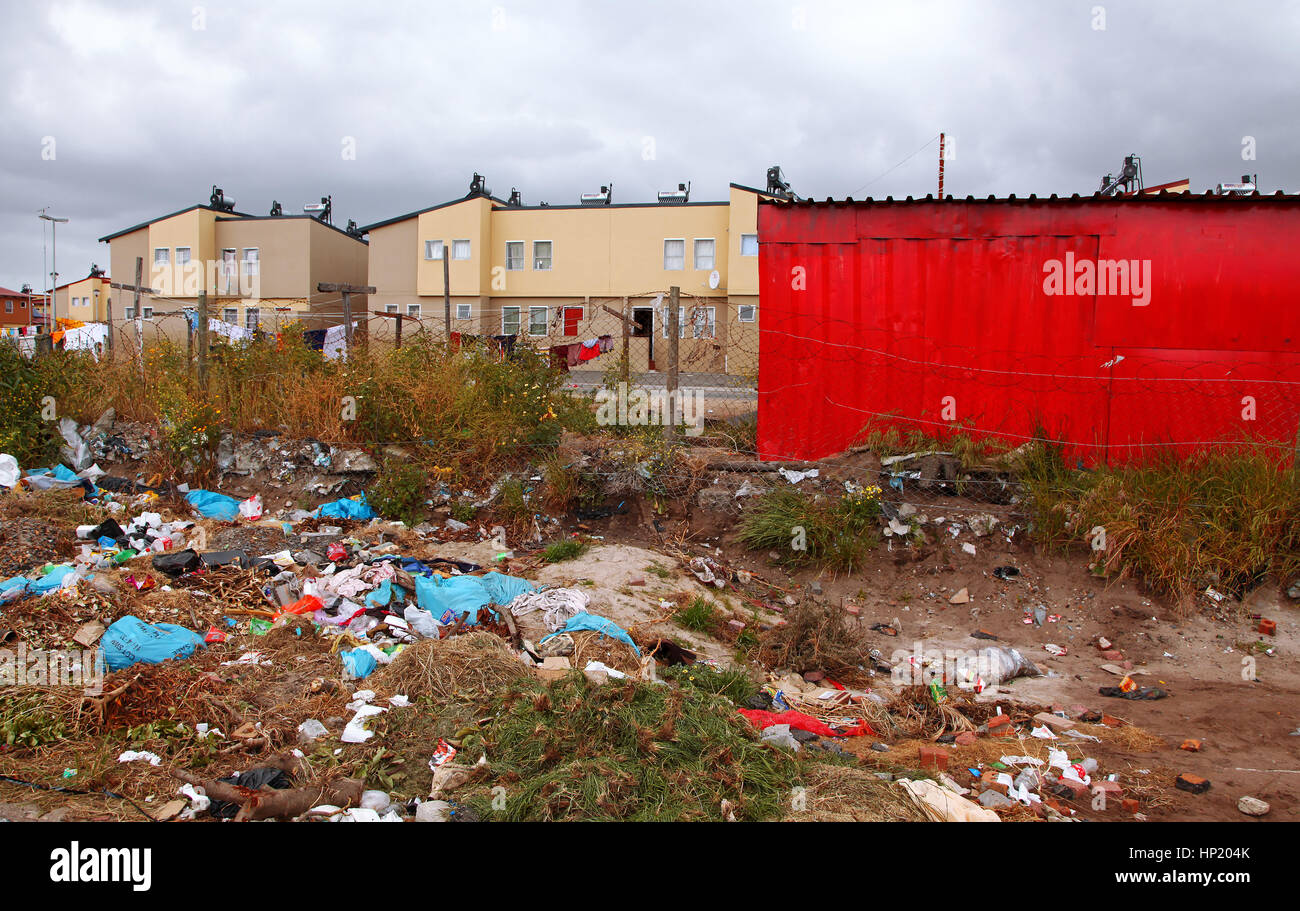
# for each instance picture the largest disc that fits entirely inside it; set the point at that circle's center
(814, 638)
(475, 665)
(835, 793)
(593, 646)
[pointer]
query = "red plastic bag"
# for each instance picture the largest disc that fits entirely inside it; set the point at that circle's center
(308, 605)
(798, 720)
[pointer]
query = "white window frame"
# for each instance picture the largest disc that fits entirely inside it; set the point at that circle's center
(753, 313)
(550, 257)
(230, 267)
(252, 318)
(546, 320)
(255, 262)
(675, 240)
(166, 259)
(412, 311)
(182, 261)
(230, 315)
(390, 308)
(681, 321)
(713, 253)
(521, 263)
(128, 313)
(455, 250)
(148, 312)
(468, 311)
(743, 238)
(518, 320)
(430, 249)
(9, 305)
(708, 327)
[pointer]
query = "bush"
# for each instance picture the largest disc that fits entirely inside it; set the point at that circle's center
(399, 491)
(806, 529)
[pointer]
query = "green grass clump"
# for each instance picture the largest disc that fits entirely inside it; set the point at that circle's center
(803, 529)
(568, 549)
(576, 751)
(699, 615)
(1227, 517)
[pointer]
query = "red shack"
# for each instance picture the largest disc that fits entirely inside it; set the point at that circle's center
(1116, 325)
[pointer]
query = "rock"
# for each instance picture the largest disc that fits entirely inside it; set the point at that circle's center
(815, 587)
(353, 460)
(802, 736)
(714, 499)
(995, 800)
(982, 524)
(1253, 806)
(962, 597)
(1192, 746)
(906, 510)
(880, 747)
(558, 646)
(814, 676)
(432, 811)
(1294, 591)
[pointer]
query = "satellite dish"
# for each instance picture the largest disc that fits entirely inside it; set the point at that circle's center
(714, 279)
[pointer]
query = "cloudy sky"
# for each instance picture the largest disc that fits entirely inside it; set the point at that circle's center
(117, 112)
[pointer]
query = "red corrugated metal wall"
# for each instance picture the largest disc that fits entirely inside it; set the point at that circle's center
(929, 314)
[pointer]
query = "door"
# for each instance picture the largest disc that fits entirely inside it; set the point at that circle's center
(644, 317)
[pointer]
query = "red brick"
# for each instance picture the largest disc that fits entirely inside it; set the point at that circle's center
(1129, 805)
(1113, 655)
(1079, 789)
(1194, 784)
(966, 738)
(934, 758)
(1268, 627)
(1192, 746)
(1113, 789)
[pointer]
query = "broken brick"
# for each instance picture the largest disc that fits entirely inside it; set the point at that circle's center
(1192, 746)
(1268, 627)
(1193, 784)
(934, 758)
(1113, 655)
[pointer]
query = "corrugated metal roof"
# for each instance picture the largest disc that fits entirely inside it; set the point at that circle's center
(1207, 197)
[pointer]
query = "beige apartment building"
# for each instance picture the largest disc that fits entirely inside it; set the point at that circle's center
(85, 300)
(546, 273)
(258, 271)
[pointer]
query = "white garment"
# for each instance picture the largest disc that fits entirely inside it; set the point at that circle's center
(557, 604)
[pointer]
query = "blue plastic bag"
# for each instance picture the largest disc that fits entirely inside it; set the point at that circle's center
(346, 509)
(212, 505)
(50, 581)
(358, 662)
(596, 624)
(132, 641)
(464, 595)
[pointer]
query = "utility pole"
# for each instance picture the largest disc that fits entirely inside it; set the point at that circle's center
(347, 291)
(941, 138)
(203, 341)
(674, 330)
(54, 265)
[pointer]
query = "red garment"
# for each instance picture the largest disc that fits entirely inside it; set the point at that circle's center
(798, 720)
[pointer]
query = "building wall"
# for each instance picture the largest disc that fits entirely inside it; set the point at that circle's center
(928, 314)
(93, 290)
(14, 310)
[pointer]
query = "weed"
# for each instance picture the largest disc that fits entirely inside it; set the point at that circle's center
(700, 615)
(807, 529)
(399, 491)
(568, 549)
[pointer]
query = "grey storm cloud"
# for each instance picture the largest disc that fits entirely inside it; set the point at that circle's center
(145, 106)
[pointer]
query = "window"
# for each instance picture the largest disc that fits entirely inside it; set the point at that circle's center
(390, 308)
(749, 245)
(251, 260)
(542, 255)
(130, 312)
(228, 267)
(162, 256)
(704, 253)
(537, 319)
(230, 315)
(674, 255)
(148, 312)
(509, 320)
(413, 310)
(747, 313)
(463, 311)
(460, 249)
(433, 249)
(252, 315)
(9, 306)
(514, 255)
(703, 322)
(182, 256)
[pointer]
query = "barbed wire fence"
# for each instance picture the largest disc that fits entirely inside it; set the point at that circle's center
(752, 418)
